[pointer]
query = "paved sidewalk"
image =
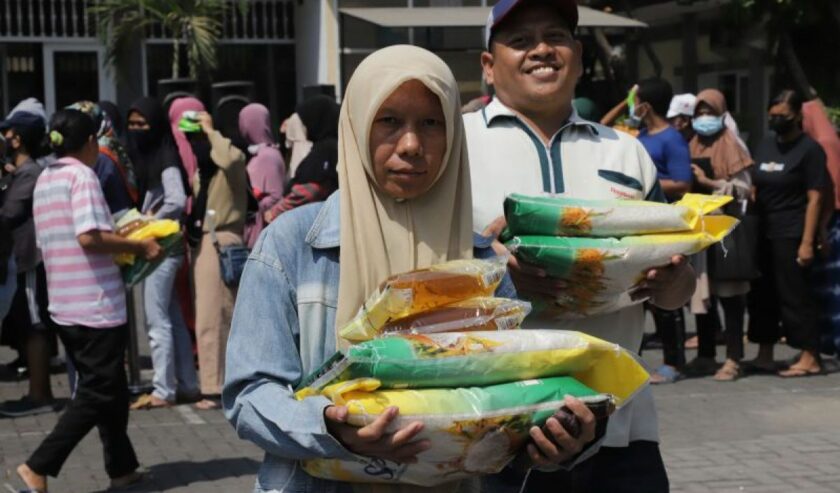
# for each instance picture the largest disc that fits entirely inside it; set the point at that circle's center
(760, 434)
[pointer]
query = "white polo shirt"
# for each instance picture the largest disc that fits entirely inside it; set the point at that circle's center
(583, 160)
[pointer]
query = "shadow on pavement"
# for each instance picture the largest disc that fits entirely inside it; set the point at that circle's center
(163, 477)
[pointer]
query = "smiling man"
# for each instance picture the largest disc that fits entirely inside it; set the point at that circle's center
(530, 140)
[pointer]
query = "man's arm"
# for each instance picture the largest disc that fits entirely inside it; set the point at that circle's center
(673, 189)
(96, 241)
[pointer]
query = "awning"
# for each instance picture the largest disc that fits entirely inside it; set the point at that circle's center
(468, 17)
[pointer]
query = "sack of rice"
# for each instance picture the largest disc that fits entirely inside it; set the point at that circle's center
(421, 290)
(467, 359)
(472, 431)
(562, 216)
(601, 272)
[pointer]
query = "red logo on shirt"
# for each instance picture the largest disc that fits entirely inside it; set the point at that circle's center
(622, 194)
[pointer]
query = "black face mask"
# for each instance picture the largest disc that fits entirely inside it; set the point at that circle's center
(142, 139)
(781, 125)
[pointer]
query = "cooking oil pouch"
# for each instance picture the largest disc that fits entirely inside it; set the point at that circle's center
(474, 314)
(562, 216)
(466, 359)
(421, 290)
(601, 272)
(139, 269)
(474, 430)
(156, 229)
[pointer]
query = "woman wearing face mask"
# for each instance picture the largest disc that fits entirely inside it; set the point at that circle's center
(219, 183)
(162, 186)
(266, 169)
(404, 202)
(790, 181)
(730, 165)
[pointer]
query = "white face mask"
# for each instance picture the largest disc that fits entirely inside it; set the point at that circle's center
(707, 125)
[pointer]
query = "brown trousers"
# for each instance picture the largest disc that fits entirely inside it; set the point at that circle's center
(213, 311)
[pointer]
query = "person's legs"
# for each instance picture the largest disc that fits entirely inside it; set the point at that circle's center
(157, 296)
(762, 302)
(671, 326)
(39, 338)
(734, 309)
(707, 327)
(185, 373)
(8, 287)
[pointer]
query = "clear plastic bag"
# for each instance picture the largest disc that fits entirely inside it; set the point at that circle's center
(421, 290)
(563, 216)
(470, 315)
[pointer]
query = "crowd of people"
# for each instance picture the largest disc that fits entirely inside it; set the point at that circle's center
(400, 177)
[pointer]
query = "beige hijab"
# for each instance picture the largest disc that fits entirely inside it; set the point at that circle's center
(296, 140)
(382, 236)
(727, 155)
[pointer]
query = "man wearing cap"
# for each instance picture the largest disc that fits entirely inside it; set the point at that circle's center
(529, 139)
(23, 132)
(680, 113)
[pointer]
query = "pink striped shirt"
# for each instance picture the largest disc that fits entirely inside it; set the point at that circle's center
(84, 288)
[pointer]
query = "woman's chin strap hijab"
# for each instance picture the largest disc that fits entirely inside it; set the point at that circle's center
(381, 236)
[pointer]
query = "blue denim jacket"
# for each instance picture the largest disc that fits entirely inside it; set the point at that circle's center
(289, 284)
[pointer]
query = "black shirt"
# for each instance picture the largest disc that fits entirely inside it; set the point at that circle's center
(783, 174)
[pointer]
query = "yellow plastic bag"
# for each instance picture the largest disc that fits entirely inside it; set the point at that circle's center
(418, 291)
(158, 228)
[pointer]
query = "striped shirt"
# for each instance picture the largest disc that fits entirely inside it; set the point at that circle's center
(84, 288)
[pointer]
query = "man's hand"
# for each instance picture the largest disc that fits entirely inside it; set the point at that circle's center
(558, 446)
(805, 255)
(151, 250)
(668, 287)
(373, 440)
(206, 121)
(533, 281)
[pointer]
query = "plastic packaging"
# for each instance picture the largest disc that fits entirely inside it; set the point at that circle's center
(469, 315)
(135, 226)
(561, 216)
(421, 290)
(601, 272)
(473, 431)
(466, 359)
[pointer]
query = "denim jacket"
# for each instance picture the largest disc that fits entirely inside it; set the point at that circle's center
(289, 284)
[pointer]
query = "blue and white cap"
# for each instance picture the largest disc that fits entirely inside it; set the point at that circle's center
(568, 10)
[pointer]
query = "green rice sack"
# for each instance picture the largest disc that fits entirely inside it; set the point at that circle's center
(472, 431)
(601, 272)
(562, 216)
(467, 359)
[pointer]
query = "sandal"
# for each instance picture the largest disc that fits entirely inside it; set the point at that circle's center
(729, 372)
(701, 367)
(798, 372)
(665, 374)
(126, 481)
(209, 404)
(148, 401)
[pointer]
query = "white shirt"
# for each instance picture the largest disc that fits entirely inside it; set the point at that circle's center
(582, 160)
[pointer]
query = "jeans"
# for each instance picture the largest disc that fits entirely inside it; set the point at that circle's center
(8, 288)
(101, 400)
(172, 357)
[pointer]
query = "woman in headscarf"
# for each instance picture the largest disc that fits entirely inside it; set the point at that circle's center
(266, 168)
(296, 142)
(219, 183)
(162, 185)
(315, 178)
(790, 184)
(404, 202)
(113, 114)
(110, 148)
(730, 164)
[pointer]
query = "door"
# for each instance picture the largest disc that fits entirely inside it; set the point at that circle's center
(75, 72)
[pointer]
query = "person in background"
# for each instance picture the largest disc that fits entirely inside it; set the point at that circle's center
(530, 140)
(87, 302)
(113, 167)
(24, 133)
(8, 279)
(266, 169)
(731, 168)
(790, 181)
(670, 155)
(112, 112)
(405, 187)
(680, 113)
(296, 143)
(817, 125)
(162, 184)
(220, 184)
(315, 178)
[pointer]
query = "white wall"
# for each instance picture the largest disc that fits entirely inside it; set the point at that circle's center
(316, 44)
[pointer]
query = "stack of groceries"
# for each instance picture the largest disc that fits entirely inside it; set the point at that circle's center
(135, 226)
(437, 345)
(602, 248)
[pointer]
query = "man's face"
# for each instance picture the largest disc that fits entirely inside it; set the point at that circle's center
(534, 62)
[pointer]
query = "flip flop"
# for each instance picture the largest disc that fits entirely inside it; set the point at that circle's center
(665, 374)
(800, 373)
(147, 401)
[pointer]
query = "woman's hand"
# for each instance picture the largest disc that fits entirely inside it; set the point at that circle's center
(668, 287)
(373, 440)
(206, 121)
(805, 255)
(559, 446)
(701, 178)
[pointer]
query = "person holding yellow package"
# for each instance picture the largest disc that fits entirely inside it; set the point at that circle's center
(403, 203)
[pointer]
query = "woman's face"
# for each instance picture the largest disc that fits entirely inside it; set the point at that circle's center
(90, 152)
(136, 121)
(782, 110)
(703, 109)
(408, 141)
